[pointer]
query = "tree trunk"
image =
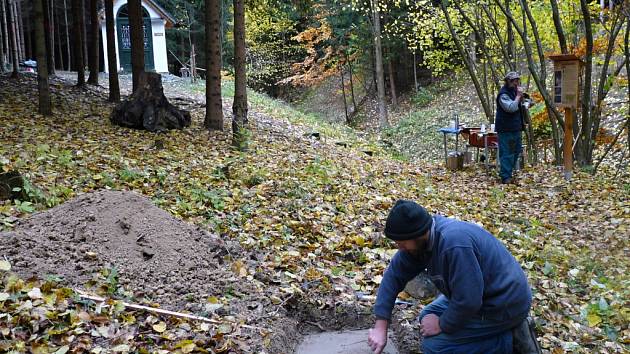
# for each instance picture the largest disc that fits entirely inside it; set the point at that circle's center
(193, 63)
(53, 63)
(239, 107)
(392, 82)
(191, 45)
(557, 22)
(354, 102)
(15, 27)
(59, 63)
(468, 64)
(378, 62)
(14, 42)
(20, 30)
(5, 33)
(137, 40)
(40, 54)
(65, 24)
(86, 52)
(588, 67)
(77, 12)
(27, 30)
(510, 40)
(415, 72)
(479, 37)
(2, 39)
(214, 103)
(112, 65)
(182, 51)
(343, 91)
(94, 29)
(539, 48)
(147, 108)
(626, 49)
(507, 61)
(49, 34)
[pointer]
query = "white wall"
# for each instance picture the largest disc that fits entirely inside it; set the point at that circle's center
(160, 59)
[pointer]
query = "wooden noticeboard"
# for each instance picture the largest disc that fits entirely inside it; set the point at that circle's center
(567, 70)
(566, 84)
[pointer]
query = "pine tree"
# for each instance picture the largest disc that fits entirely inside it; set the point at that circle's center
(214, 106)
(239, 107)
(77, 8)
(93, 55)
(114, 88)
(40, 55)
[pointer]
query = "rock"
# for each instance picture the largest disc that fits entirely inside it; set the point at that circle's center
(421, 287)
(314, 135)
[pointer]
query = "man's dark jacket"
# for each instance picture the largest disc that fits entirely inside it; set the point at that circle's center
(508, 121)
(470, 267)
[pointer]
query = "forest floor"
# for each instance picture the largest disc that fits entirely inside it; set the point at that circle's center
(269, 245)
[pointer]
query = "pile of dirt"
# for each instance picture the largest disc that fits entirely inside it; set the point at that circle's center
(158, 257)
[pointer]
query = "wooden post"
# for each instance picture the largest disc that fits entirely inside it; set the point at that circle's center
(568, 143)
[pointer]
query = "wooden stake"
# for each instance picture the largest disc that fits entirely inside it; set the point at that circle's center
(150, 309)
(84, 295)
(568, 143)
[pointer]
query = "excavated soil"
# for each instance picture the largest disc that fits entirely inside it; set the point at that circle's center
(159, 258)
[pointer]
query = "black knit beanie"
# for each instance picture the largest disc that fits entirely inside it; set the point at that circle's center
(407, 220)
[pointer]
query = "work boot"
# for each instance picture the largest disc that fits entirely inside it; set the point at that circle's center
(524, 338)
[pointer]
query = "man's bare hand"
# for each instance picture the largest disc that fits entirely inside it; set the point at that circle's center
(377, 338)
(430, 325)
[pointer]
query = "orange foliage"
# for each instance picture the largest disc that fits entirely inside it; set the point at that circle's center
(539, 119)
(600, 45)
(320, 61)
(536, 97)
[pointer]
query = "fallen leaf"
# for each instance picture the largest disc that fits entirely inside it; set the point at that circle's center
(159, 327)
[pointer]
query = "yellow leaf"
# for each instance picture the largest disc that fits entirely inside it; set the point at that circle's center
(159, 327)
(593, 319)
(188, 348)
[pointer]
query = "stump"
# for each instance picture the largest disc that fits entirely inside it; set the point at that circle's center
(148, 108)
(11, 185)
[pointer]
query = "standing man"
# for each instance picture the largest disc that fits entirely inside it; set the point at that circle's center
(484, 290)
(509, 124)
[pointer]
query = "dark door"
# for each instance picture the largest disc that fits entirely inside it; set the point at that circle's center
(124, 40)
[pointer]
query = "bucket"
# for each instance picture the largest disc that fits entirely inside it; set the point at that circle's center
(468, 157)
(455, 161)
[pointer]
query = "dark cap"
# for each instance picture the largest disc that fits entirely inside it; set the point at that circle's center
(407, 220)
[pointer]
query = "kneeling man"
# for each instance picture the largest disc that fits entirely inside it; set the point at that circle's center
(484, 290)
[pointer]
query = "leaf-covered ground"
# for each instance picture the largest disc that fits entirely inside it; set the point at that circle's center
(315, 209)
